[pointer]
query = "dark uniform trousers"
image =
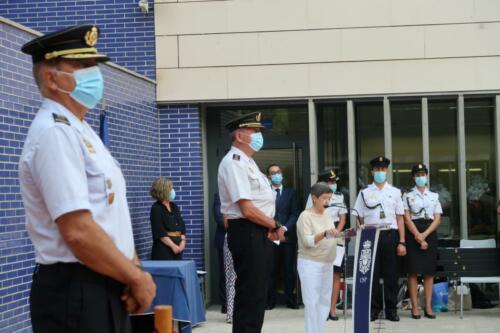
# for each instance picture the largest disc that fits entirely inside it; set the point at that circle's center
(286, 251)
(386, 267)
(247, 243)
(68, 297)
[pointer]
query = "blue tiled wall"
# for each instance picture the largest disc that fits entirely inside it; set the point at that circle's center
(127, 35)
(181, 161)
(134, 137)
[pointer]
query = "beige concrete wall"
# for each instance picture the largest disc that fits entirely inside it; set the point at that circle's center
(250, 49)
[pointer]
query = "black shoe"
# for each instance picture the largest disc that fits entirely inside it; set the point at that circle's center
(334, 318)
(292, 306)
(270, 306)
(428, 315)
(416, 316)
(223, 309)
(392, 317)
(374, 316)
(340, 306)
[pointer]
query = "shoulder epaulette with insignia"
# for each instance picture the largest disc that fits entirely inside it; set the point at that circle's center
(60, 119)
(236, 157)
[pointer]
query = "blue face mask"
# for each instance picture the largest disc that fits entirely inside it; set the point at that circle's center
(89, 86)
(171, 195)
(333, 187)
(379, 177)
(421, 181)
(277, 179)
(257, 141)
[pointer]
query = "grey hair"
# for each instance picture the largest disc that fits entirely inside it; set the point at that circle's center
(39, 67)
(319, 189)
(232, 135)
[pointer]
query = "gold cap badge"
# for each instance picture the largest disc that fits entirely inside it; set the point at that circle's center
(257, 117)
(91, 36)
(380, 158)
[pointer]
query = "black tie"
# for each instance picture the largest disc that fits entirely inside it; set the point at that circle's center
(277, 196)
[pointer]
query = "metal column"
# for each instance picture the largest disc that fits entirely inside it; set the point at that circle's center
(351, 153)
(388, 136)
(313, 140)
(462, 172)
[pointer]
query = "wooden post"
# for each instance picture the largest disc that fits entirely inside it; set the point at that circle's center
(163, 319)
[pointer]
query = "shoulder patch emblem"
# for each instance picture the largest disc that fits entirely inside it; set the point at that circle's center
(236, 157)
(60, 119)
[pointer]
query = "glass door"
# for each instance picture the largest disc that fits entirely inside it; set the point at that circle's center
(290, 161)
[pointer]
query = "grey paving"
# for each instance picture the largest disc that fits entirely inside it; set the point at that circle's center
(283, 320)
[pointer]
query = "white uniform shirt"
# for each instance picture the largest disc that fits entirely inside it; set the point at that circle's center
(388, 199)
(65, 167)
(239, 178)
(337, 206)
(422, 205)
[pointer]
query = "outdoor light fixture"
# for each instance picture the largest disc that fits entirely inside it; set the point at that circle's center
(144, 6)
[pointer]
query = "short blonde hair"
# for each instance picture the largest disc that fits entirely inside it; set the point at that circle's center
(160, 190)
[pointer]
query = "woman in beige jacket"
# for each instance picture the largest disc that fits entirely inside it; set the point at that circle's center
(317, 250)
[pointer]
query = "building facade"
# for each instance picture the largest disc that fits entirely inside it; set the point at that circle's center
(340, 82)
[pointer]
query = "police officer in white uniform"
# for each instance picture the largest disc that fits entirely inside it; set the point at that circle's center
(337, 210)
(249, 204)
(422, 217)
(381, 203)
(74, 194)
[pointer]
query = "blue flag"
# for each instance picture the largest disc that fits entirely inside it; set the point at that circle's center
(364, 261)
(103, 128)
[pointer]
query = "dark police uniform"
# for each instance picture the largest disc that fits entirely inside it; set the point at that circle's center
(65, 167)
(422, 208)
(380, 206)
(239, 178)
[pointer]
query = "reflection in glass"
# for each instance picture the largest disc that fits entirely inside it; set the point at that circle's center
(332, 142)
(369, 137)
(280, 121)
(443, 149)
(480, 166)
(285, 140)
(406, 126)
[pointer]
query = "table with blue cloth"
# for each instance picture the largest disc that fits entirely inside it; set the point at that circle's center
(177, 284)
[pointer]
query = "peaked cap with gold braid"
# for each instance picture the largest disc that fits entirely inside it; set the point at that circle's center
(327, 176)
(251, 120)
(76, 42)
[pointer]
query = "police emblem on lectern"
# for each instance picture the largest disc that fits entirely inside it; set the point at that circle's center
(366, 257)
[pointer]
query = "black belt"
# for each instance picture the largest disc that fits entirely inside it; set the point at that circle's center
(244, 221)
(422, 220)
(80, 272)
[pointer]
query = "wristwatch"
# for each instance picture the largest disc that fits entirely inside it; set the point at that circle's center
(402, 243)
(277, 225)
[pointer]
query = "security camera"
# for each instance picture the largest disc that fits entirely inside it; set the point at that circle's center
(144, 6)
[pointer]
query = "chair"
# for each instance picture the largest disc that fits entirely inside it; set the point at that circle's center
(476, 244)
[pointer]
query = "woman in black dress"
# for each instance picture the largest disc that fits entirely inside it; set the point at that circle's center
(422, 216)
(167, 226)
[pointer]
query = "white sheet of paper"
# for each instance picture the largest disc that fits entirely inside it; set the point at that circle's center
(340, 256)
